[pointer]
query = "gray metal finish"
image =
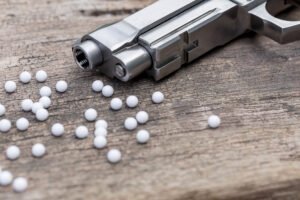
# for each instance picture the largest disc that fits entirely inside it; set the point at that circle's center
(169, 34)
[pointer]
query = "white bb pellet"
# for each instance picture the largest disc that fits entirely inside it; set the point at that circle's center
(13, 152)
(2, 110)
(45, 101)
(25, 77)
(142, 117)
(61, 86)
(22, 124)
(81, 132)
(57, 130)
(36, 106)
(107, 91)
(6, 178)
(114, 156)
(90, 114)
(20, 184)
(10, 86)
(100, 131)
(158, 97)
(116, 104)
(26, 105)
(45, 91)
(100, 142)
(42, 114)
(132, 101)
(142, 136)
(214, 121)
(97, 86)
(38, 150)
(41, 76)
(101, 123)
(130, 123)
(5, 125)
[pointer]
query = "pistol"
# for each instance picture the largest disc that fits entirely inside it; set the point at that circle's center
(168, 34)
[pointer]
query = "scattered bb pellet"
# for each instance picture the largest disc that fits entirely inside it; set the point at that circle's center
(36, 106)
(100, 142)
(10, 86)
(81, 132)
(6, 178)
(158, 97)
(90, 114)
(26, 105)
(45, 101)
(38, 150)
(25, 77)
(20, 184)
(57, 130)
(2, 110)
(41, 76)
(142, 117)
(97, 86)
(116, 104)
(130, 123)
(5, 125)
(100, 131)
(214, 121)
(107, 91)
(22, 124)
(45, 91)
(101, 123)
(142, 136)
(13, 152)
(132, 101)
(61, 86)
(114, 156)
(42, 114)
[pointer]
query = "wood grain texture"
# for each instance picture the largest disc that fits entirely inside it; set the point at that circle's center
(253, 84)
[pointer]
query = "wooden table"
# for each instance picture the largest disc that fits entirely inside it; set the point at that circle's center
(252, 83)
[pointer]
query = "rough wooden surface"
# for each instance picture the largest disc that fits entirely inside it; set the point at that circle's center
(253, 84)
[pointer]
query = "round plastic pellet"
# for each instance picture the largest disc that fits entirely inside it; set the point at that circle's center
(61, 86)
(2, 110)
(5, 125)
(132, 101)
(107, 91)
(142, 136)
(45, 101)
(214, 121)
(142, 117)
(90, 114)
(10, 86)
(116, 104)
(100, 142)
(45, 91)
(25, 77)
(6, 178)
(81, 132)
(22, 124)
(100, 131)
(13, 152)
(97, 86)
(57, 130)
(101, 123)
(38, 150)
(36, 106)
(20, 184)
(42, 114)
(114, 156)
(26, 105)
(158, 97)
(130, 123)
(41, 76)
